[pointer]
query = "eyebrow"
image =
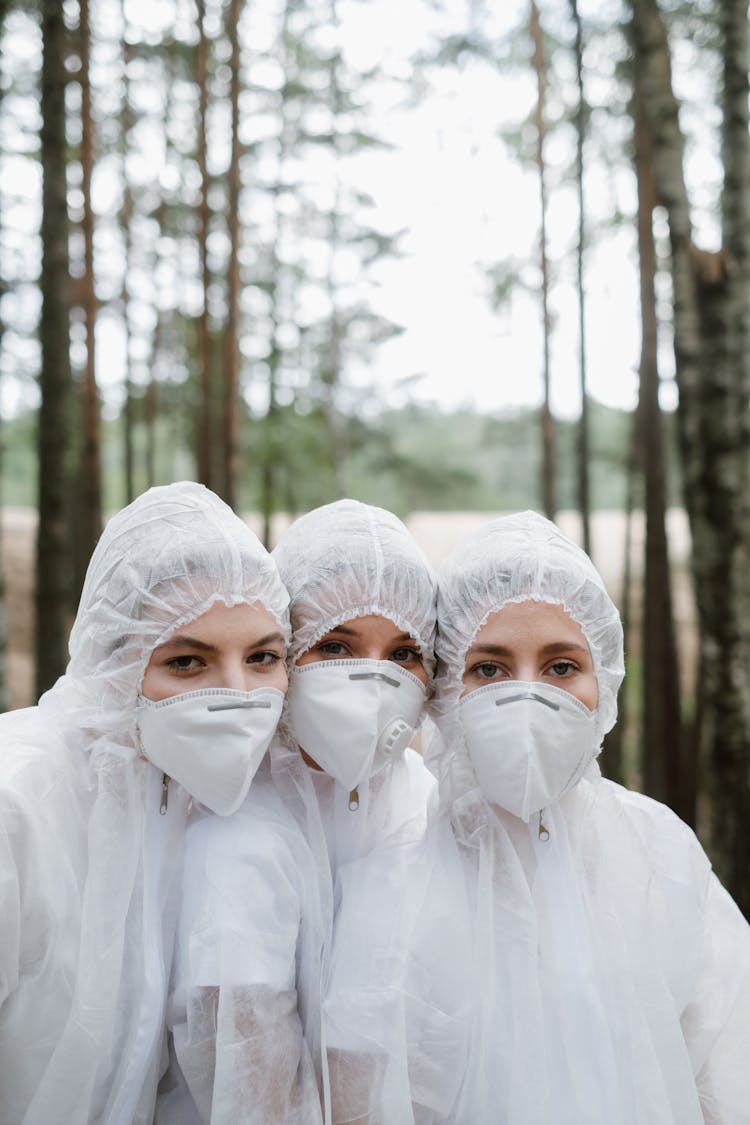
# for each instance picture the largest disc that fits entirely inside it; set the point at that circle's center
(348, 631)
(552, 649)
(183, 640)
(269, 639)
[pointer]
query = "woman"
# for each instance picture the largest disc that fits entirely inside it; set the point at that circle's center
(175, 683)
(614, 968)
(362, 604)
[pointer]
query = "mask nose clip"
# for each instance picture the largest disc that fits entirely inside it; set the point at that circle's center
(242, 705)
(374, 676)
(527, 695)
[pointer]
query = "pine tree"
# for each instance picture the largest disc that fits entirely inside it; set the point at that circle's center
(53, 567)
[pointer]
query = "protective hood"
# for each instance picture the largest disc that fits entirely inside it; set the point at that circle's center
(348, 560)
(600, 993)
(162, 561)
(391, 1019)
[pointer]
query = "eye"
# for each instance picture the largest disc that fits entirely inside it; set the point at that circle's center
(406, 655)
(332, 648)
(488, 670)
(562, 668)
(180, 664)
(264, 659)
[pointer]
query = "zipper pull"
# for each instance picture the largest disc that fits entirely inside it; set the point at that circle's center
(354, 799)
(164, 794)
(543, 830)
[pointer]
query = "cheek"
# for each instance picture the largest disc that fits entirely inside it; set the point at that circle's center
(420, 672)
(156, 685)
(275, 677)
(279, 678)
(588, 692)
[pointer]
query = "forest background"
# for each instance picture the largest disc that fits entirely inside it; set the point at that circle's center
(205, 274)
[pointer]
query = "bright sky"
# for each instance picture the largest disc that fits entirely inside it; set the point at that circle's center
(466, 206)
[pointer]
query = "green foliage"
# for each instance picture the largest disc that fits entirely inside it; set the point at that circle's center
(297, 445)
(413, 458)
(416, 457)
(19, 486)
(419, 457)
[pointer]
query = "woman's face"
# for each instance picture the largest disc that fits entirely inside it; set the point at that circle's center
(533, 642)
(368, 638)
(238, 647)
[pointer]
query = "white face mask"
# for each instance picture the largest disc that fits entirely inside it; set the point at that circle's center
(528, 742)
(352, 716)
(211, 741)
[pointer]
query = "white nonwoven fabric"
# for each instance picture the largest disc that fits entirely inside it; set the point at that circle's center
(384, 700)
(247, 957)
(349, 559)
(396, 951)
(612, 970)
(88, 868)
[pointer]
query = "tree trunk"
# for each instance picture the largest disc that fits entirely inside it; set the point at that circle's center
(725, 550)
(4, 687)
(129, 406)
(337, 435)
(206, 411)
(664, 775)
(270, 437)
(231, 450)
(267, 487)
(549, 501)
(52, 557)
(711, 299)
(614, 765)
(279, 282)
(584, 497)
(89, 498)
(151, 412)
(126, 124)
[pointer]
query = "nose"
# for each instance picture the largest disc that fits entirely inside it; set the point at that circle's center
(234, 676)
(526, 674)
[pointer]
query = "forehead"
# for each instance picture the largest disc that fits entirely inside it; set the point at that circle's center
(222, 621)
(529, 624)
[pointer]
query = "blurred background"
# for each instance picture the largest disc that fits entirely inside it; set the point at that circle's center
(451, 258)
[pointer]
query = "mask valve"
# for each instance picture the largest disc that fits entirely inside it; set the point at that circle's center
(395, 737)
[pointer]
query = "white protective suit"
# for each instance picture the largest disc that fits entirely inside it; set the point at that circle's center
(391, 892)
(614, 969)
(89, 869)
(245, 950)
